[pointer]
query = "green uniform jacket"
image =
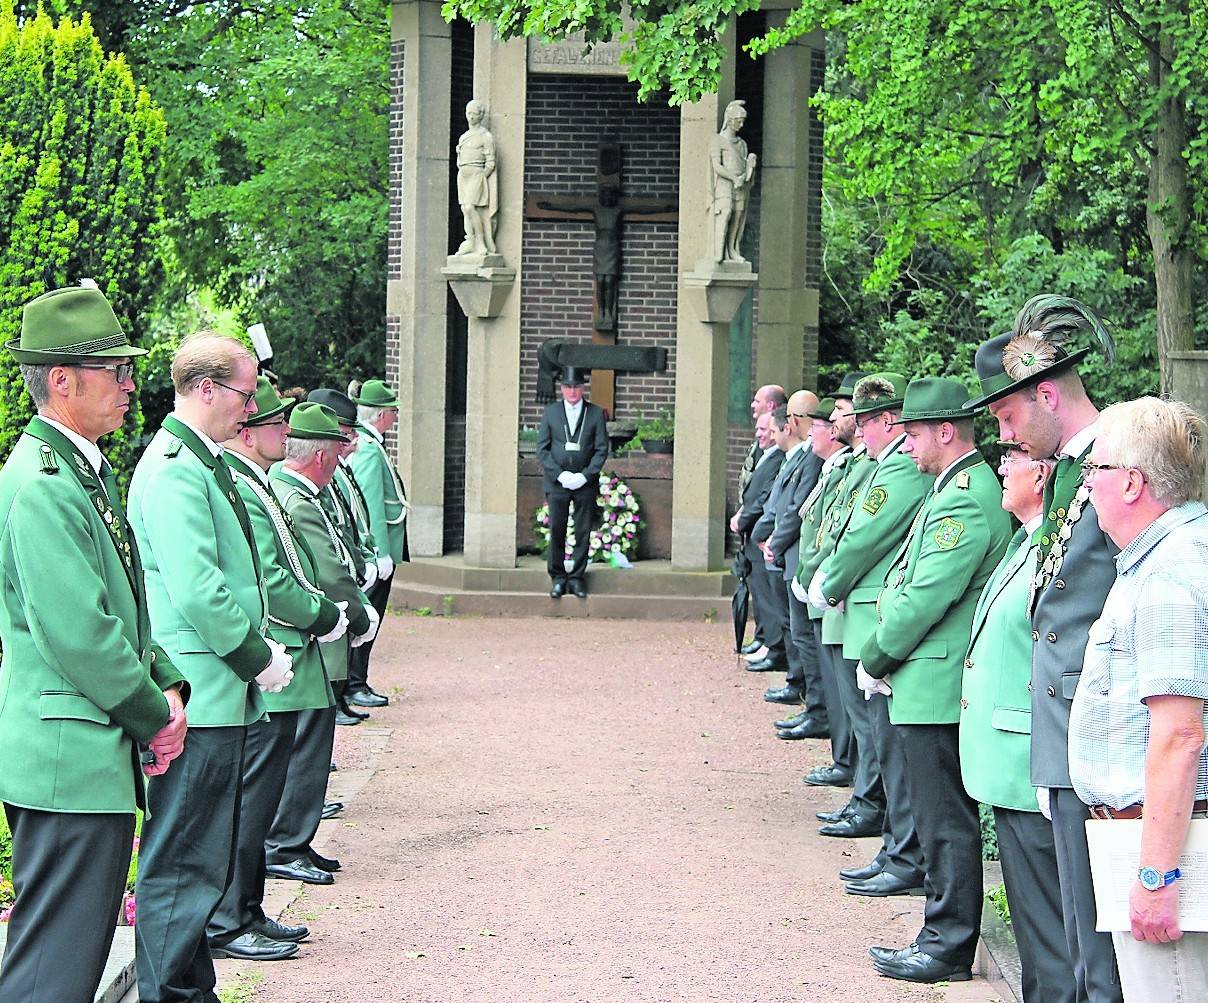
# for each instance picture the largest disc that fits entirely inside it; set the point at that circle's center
(297, 608)
(816, 544)
(384, 494)
(334, 563)
(864, 551)
(996, 700)
(858, 472)
(337, 511)
(346, 485)
(204, 591)
(80, 682)
(931, 589)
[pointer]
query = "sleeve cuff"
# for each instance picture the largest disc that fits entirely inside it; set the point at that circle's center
(249, 659)
(142, 713)
(877, 663)
(360, 623)
(325, 622)
(166, 675)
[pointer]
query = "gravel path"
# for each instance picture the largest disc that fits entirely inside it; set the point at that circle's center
(604, 820)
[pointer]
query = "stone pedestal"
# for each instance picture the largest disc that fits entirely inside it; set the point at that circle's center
(481, 283)
(714, 291)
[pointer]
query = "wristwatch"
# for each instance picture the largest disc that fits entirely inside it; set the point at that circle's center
(1152, 879)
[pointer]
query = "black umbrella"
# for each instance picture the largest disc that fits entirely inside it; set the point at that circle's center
(741, 603)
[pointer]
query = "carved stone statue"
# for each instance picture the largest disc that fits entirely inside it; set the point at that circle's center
(732, 169)
(477, 184)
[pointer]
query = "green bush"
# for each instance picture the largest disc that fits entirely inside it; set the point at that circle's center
(6, 863)
(989, 834)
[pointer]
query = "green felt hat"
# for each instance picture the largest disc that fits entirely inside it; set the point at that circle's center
(848, 386)
(67, 326)
(269, 404)
(823, 411)
(376, 393)
(315, 421)
(934, 398)
(878, 392)
(343, 405)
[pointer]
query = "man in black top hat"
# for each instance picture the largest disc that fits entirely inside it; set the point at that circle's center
(572, 446)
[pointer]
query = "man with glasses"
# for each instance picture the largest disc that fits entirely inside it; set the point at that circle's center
(83, 686)
(1031, 385)
(209, 612)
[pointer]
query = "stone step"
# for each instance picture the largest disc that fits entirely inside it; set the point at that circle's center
(538, 604)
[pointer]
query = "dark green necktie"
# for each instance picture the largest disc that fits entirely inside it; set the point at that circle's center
(1058, 494)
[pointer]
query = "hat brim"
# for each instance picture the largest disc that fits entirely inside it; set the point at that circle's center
(262, 417)
(295, 433)
(977, 403)
(950, 415)
(364, 403)
(29, 357)
(876, 407)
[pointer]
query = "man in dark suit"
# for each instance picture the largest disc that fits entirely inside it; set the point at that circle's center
(572, 446)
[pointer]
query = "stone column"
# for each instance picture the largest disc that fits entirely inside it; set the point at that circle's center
(493, 368)
(788, 301)
(415, 291)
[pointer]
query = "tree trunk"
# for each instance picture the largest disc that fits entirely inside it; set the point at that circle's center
(1167, 214)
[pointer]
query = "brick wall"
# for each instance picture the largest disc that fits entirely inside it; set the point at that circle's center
(567, 117)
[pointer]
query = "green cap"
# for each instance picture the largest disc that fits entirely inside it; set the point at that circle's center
(315, 421)
(376, 393)
(67, 326)
(935, 398)
(269, 404)
(878, 392)
(848, 386)
(823, 411)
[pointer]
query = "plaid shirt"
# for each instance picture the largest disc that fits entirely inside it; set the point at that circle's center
(1149, 641)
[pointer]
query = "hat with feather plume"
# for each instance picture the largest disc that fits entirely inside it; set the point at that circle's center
(1041, 345)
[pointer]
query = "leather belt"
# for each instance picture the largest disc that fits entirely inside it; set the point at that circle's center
(1135, 810)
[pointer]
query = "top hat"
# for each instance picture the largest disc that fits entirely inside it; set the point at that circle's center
(848, 385)
(71, 325)
(823, 411)
(376, 393)
(341, 404)
(269, 404)
(934, 398)
(878, 392)
(571, 377)
(315, 421)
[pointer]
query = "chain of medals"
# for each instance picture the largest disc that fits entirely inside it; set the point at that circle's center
(345, 555)
(112, 518)
(1047, 569)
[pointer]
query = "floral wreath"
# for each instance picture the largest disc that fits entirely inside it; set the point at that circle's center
(618, 525)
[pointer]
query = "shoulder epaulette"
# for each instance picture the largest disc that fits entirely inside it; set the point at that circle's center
(962, 480)
(173, 448)
(47, 460)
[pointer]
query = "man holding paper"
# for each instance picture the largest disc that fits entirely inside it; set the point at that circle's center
(1137, 725)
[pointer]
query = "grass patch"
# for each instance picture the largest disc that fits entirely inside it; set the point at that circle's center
(244, 989)
(997, 897)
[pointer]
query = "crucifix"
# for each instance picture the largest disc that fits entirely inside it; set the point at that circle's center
(607, 209)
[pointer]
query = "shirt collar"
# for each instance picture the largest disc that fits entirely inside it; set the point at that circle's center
(1033, 524)
(370, 430)
(1080, 442)
(795, 449)
(91, 451)
(766, 453)
(1156, 531)
(829, 463)
(206, 441)
(944, 473)
(306, 482)
(890, 448)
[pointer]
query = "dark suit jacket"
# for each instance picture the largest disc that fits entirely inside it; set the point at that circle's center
(783, 510)
(755, 495)
(592, 437)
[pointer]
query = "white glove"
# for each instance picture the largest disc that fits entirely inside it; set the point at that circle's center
(341, 627)
(575, 482)
(385, 567)
(370, 575)
(798, 591)
(565, 478)
(279, 671)
(1042, 802)
(870, 685)
(814, 594)
(375, 621)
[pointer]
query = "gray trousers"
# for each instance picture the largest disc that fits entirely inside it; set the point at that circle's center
(301, 803)
(265, 763)
(185, 862)
(69, 871)
(358, 657)
(808, 677)
(902, 854)
(764, 603)
(868, 792)
(1091, 952)
(843, 742)
(1029, 871)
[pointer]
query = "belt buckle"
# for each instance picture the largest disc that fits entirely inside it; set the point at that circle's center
(1101, 811)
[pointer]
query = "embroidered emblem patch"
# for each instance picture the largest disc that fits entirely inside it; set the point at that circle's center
(947, 533)
(874, 500)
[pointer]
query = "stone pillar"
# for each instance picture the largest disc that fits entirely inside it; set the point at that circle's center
(788, 298)
(493, 367)
(415, 291)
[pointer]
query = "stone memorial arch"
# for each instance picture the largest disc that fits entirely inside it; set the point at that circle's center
(602, 217)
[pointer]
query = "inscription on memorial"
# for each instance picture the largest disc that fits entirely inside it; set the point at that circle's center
(575, 56)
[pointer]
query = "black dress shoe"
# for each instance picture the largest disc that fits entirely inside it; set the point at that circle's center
(367, 698)
(790, 722)
(328, 864)
(766, 665)
(558, 589)
(922, 967)
(280, 931)
(254, 947)
(838, 815)
(809, 728)
(855, 826)
(882, 886)
(827, 776)
(299, 870)
(862, 873)
(750, 648)
(347, 719)
(577, 588)
(331, 809)
(784, 694)
(892, 953)
(333, 768)
(347, 708)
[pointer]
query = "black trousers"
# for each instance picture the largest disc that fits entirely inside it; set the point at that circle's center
(843, 743)
(185, 862)
(559, 512)
(265, 764)
(1091, 952)
(903, 855)
(69, 872)
(868, 792)
(301, 803)
(358, 657)
(1029, 870)
(950, 835)
(762, 602)
(808, 677)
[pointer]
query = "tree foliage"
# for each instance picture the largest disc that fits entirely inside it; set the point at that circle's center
(81, 160)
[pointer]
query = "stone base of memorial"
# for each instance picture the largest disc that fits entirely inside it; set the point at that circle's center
(481, 282)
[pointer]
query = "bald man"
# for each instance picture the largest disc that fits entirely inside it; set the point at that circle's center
(778, 534)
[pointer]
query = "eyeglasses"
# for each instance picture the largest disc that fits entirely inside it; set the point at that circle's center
(122, 371)
(1089, 468)
(247, 395)
(867, 421)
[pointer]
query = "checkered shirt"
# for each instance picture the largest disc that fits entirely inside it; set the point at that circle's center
(1151, 640)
